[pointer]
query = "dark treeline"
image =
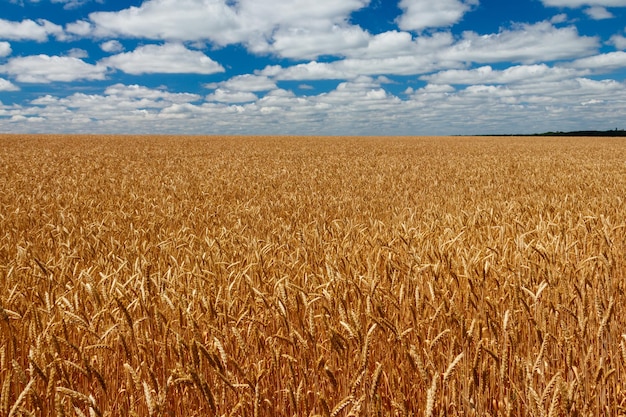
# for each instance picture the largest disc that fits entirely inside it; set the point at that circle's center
(604, 133)
(598, 133)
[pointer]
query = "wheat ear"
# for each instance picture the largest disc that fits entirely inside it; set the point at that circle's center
(430, 397)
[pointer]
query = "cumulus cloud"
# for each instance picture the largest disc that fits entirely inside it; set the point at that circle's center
(358, 106)
(170, 58)
(598, 13)
(135, 91)
(5, 49)
(6, 85)
(112, 46)
(309, 71)
(580, 3)
(511, 75)
(300, 29)
(219, 20)
(73, 4)
(246, 82)
(411, 57)
(618, 41)
(525, 43)
(77, 53)
(602, 63)
(80, 28)
(227, 96)
(301, 43)
(505, 108)
(120, 106)
(29, 29)
(561, 93)
(297, 13)
(18, 118)
(181, 20)
(559, 18)
(46, 69)
(422, 14)
(290, 28)
(363, 91)
(387, 45)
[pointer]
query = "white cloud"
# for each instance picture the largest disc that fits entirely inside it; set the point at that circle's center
(561, 93)
(6, 85)
(46, 69)
(618, 41)
(401, 45)
(310, 43)
(79, 28)
(515, 74)
(580, 3)
(603, 62)
(227, 96)
(140, 92)
(436, 90)
(309, 71)
(525, 43)
(18, 118)
(120, 106)
(559, 18)
(28, 29)
(112, 46)
(297, 13)
(246, 82)
(290, 28)
(598, 13)
(181, 20)
(5, 49)
(170, 58)
(219, 20)
(301, 28)
(506, 109)
(387, 45)
(422, 14)
(77, 53)
(411, 57)
(401, 65)
(73, 4)
(360, 106)
(361, 92)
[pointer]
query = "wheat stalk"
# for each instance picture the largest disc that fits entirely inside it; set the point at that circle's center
(375, 379)
(452, 367)
(20, 398)
(341, 405)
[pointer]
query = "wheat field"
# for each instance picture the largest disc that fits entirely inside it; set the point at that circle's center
(312, 276)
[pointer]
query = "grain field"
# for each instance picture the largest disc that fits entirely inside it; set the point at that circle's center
(290, 276)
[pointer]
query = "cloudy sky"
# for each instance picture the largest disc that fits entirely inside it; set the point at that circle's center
(332, 67)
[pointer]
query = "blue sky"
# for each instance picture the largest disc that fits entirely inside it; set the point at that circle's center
(328, 67)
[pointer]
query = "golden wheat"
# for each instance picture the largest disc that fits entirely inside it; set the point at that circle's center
(284, 276)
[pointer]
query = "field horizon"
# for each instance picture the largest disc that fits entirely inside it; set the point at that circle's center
(164, 275)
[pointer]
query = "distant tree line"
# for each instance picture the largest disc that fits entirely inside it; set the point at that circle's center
(615, 132)
(598, 133)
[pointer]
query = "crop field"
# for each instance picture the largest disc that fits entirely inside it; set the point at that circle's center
(304, 276)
